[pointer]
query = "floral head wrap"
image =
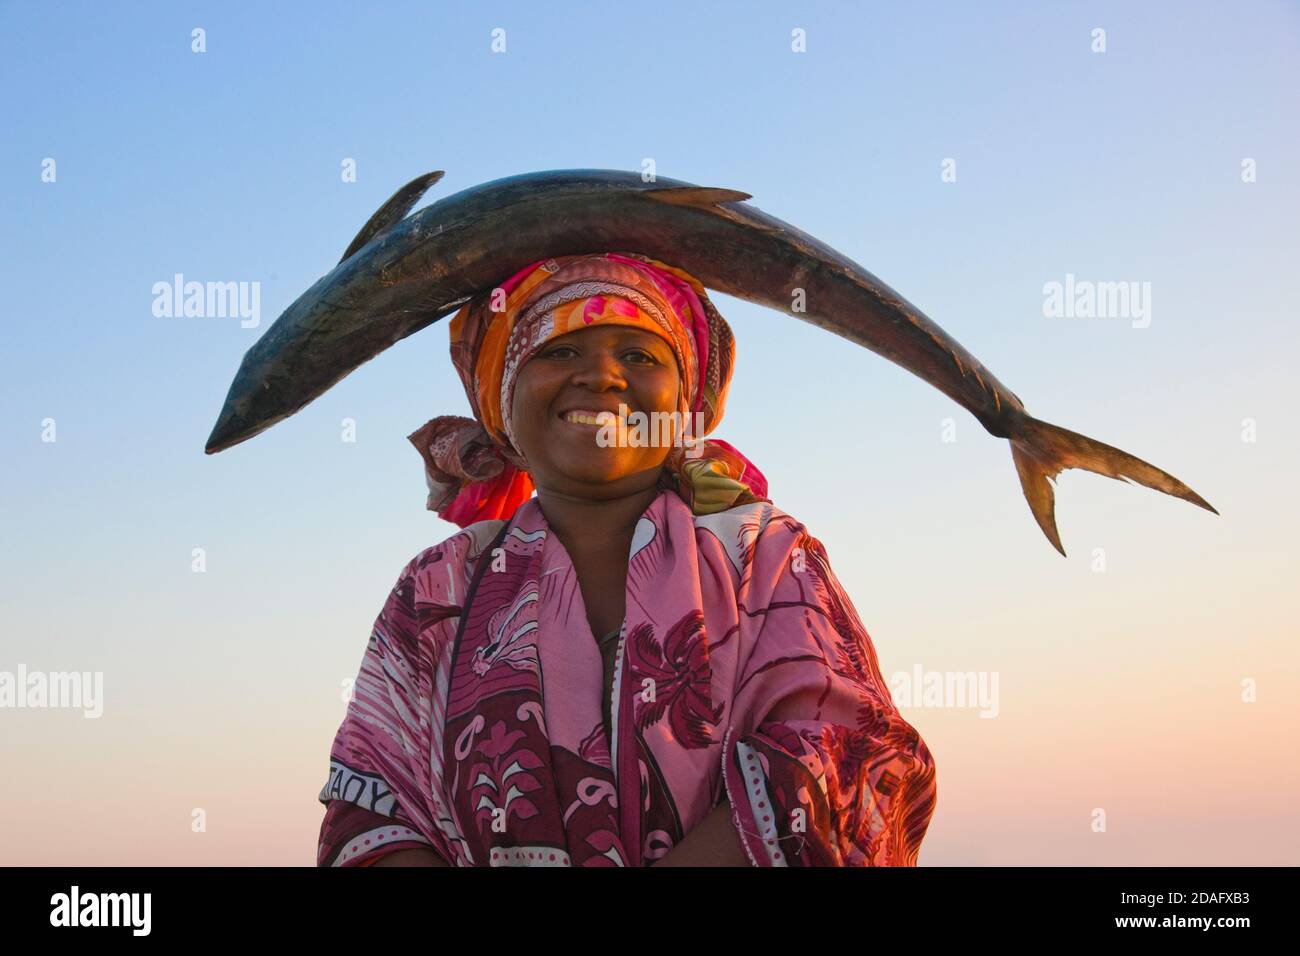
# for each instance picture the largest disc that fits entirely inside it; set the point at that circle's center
(475, 471)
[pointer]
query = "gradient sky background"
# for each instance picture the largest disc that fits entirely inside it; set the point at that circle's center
(1118, 690)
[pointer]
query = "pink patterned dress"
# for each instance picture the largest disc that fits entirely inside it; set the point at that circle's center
(742, 674)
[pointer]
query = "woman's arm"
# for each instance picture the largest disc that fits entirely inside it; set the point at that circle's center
(822, 768)
(376, 797)
(714, 842)
(413, 856)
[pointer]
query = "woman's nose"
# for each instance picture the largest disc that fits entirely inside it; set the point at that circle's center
(601, 368)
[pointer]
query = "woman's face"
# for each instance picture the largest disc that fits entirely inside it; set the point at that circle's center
(593, 370)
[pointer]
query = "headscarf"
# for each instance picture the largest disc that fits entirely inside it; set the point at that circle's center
(473, 467)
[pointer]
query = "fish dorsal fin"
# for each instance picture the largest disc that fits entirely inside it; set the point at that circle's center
(398, 205)
(697, 195)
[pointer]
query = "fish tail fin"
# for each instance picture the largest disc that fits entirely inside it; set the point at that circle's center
(1041, 451)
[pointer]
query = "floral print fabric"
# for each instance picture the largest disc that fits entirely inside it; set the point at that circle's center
(742, 674)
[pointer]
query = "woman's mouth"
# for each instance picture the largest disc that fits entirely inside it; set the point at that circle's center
(590, 418)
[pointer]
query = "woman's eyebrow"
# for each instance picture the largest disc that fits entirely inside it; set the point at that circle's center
(644, 339)
(627, 336)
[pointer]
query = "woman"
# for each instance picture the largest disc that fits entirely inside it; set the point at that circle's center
(647, 663)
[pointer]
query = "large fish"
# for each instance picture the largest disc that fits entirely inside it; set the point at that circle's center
(402, 273)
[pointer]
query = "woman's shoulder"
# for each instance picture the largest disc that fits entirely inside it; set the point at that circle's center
(757, 515)
(748, 531)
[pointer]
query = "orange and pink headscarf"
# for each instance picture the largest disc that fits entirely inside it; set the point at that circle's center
(473, 468)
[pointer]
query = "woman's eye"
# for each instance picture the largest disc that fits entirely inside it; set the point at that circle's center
(640, 356)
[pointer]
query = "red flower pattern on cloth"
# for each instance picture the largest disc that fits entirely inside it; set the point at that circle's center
(674, 673)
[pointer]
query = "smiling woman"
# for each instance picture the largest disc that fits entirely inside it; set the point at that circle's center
(564, 394)
(648, 663)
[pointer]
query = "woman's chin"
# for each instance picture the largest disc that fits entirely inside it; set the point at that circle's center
(590, 473)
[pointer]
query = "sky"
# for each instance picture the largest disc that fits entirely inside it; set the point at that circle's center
(970, 155)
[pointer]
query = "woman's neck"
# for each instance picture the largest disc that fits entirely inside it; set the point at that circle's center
(589, 525)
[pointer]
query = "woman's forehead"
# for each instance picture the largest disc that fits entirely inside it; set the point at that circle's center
(612, 333)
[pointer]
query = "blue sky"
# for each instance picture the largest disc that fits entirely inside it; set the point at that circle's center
(225, 166)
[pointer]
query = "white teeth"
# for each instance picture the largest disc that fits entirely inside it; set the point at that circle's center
(591, 418)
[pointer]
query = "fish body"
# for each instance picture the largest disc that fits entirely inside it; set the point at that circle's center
(401, 274)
